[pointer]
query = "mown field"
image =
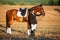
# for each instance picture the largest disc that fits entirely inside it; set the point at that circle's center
(48, 27)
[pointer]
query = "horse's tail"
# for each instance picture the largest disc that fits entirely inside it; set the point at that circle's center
(6, 19)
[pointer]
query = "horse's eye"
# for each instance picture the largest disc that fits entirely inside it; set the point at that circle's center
(41, 8)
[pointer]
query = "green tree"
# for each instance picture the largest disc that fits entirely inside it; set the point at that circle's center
(51, 2)
(59, 2)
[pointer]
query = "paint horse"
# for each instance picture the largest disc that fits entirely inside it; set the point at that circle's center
(21, 16)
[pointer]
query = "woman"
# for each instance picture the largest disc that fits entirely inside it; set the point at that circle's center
(33, 22)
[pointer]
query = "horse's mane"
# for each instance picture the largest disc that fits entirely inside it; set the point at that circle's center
(37, 5)
(32, 8)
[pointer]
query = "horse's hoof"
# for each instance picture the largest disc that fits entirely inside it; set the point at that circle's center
(30, 37)
(9, 35)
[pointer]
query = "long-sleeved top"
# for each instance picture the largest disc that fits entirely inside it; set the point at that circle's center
(32, 19)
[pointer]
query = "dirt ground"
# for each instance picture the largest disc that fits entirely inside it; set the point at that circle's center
(48, 27)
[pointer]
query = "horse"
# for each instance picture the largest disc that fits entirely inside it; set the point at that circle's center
(15, 14)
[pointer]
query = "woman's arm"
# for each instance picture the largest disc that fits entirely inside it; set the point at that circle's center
(38, 14)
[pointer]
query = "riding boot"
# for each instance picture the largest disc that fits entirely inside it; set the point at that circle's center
(33, 33)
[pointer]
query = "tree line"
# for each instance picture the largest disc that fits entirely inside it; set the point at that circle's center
(50, 2)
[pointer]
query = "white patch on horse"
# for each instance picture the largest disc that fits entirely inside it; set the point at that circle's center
(9, 30)
(38, 13)
(29, 31)
(19, 14)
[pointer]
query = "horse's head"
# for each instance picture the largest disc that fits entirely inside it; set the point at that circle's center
(38, 10)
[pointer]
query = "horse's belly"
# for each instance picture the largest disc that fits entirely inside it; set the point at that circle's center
(21, 19)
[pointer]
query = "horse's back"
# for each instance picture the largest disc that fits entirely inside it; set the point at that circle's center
(12, 11)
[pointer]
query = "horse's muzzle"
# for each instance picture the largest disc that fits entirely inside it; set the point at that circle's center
(43, 14)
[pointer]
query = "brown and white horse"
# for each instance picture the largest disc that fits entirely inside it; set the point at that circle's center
(11, 16)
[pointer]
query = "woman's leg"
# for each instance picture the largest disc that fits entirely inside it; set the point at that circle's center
(33, 27)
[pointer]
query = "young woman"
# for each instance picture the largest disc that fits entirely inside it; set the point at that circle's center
(33, 22)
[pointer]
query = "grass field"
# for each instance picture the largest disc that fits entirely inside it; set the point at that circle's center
(48, 27)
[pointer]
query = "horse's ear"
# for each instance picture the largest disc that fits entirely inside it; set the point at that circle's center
(25, 8)
(19, 9)
(41, 5)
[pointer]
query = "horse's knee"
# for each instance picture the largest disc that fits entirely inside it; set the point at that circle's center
(10, 22)
(29, 27)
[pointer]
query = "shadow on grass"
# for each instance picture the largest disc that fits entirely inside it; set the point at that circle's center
(20, 38)
(1, 30)
(58, 10)
(36, 38)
